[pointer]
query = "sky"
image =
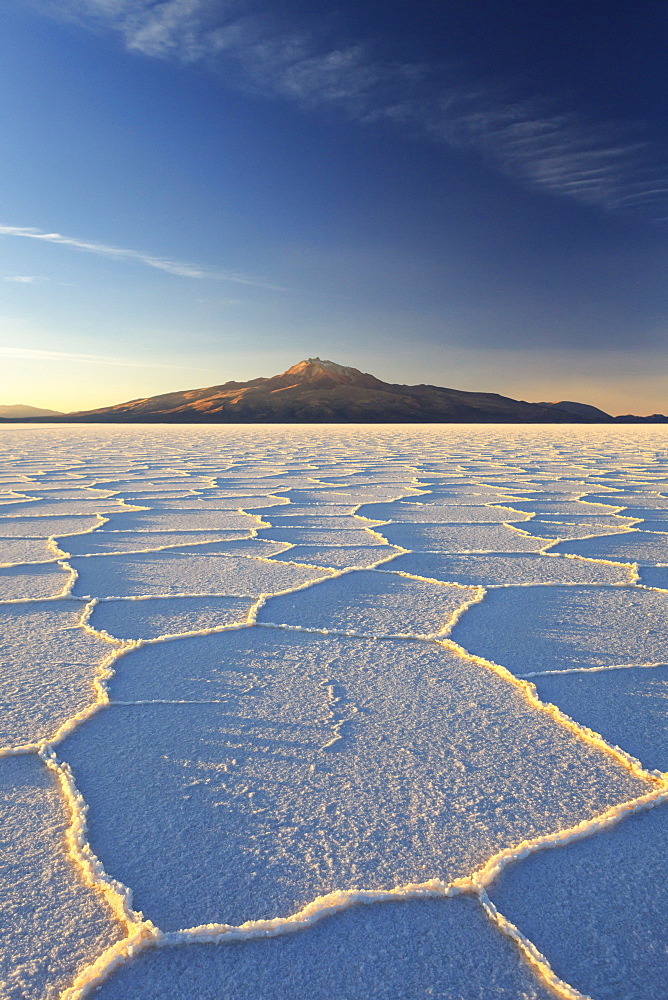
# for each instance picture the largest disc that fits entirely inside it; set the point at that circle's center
(471, 194)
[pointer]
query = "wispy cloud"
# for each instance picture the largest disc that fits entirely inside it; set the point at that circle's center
(35, 354)
(535, 143)
(176, 267)
(21, 279)
(228, 32)
(532, 141)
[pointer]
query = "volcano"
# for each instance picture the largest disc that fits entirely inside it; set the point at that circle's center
(323, 392)
(317, 391)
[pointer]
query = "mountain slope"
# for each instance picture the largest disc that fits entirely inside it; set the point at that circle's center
(579, 409)
(316, 391)
(19, 410)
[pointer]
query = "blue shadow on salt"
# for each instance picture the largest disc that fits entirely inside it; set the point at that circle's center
(495, 569)
(630, 546)
(389, 951)
(534, 629)
(155, 617)
(598, 908)
(627, 707)
(655, 576)
(369, 603)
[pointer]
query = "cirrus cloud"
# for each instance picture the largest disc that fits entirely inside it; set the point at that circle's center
(534, 141)
(37, 354)
(179, 268)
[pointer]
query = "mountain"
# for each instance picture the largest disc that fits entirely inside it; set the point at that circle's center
(19, 410)
(316, 391)
(580, 410)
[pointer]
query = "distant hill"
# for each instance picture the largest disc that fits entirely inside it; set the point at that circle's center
(19, 410)
(580, 409)
(593, 414)
(316, 391)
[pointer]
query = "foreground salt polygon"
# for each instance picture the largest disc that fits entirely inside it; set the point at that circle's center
(269, 664)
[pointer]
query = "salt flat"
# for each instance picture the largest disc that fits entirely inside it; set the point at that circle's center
(333, 711)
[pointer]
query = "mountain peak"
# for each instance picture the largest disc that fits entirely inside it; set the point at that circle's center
(315, 367)
(316, 373)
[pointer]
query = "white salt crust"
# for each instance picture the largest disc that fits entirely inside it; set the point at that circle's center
(344, 690)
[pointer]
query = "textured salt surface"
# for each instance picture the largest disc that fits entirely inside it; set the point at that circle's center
(52, 925)
(173, 573)
(400, 510)
(339, 556)
(461, 538)
(297, 764)
(370, 603)
(27, 550)
(635, 547)
(222, 641)
(101, 542)
(181, 520)
(627, 706)
(153, 617)
(654, 576)
(504, 570)
(24, 583)
(46, 527)
(598, 909)
(427, 948)
(532, 630)
(321, 536)
(48, 663)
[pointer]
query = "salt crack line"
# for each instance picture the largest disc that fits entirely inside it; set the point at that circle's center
(120, 507)
(168, 548)
(533, 957)
(599, 584)
(631, 566)
(646, 586)
(148, 936)
(73, 577)
(117, 895)
(53, 546)
(550, 542)
(104, 672)
(191, 634)
(319, 908)
(488, 872)
(424, 579)
(194, 555)
(330, 575)
(593, 670)
(44, 600)
(590, 736)
(139, 932)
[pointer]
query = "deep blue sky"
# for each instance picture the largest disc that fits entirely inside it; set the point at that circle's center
(468, 193)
